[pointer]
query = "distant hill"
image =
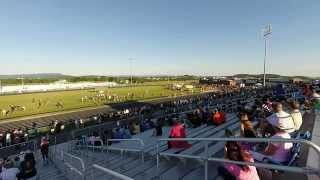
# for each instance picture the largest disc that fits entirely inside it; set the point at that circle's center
(34, 76)
(269, 76)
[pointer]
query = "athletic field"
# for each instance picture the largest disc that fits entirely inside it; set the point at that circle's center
(39, 103)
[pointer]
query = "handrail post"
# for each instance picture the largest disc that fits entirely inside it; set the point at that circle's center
(142, 156)
(142, 151)
(87, 148)
(62, 157)
(34, 145)
(158, 159)
(206, 161)
(108, 149)
(55, 146)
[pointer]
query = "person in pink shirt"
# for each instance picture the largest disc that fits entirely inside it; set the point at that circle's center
(231, 171)
(278, 152)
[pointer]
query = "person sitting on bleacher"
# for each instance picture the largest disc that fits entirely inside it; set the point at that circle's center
(316, 100)
(135, 128)
(246, 131)
(296, 114)
(118, 134)
(277, 152)
(178, 131)
(218, 117)
(267, 106)
(281, 117)
(233, 151)
(126, 133)
(157, 131)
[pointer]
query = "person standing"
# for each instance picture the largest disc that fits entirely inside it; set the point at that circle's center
(28, 167)
(44, 146)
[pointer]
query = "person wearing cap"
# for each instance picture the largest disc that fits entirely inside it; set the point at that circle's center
(178, 131)
(9, 172)
(281, 118)
(278, 152)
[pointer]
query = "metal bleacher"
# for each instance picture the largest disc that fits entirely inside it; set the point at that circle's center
(147, 157)
(130, 164)
(123, 157)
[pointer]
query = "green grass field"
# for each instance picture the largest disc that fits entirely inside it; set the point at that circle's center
(72, 99)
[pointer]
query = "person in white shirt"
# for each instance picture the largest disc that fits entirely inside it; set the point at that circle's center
(8, 139)
(296, 114)
(8, 171)
(283, 118)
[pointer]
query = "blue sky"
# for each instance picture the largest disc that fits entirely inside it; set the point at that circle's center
(203, 37)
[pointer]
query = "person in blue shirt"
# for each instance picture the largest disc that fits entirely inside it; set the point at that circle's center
(118, 134)
(127, 133)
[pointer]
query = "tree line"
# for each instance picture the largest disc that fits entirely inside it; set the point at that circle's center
(74, 79)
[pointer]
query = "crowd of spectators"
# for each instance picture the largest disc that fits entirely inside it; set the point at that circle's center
(21, 167)
(15, 136)
(268, 109)
(278, 116)
(274, 123)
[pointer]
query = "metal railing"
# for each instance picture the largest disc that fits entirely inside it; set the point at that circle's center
(134, 139)
(73, 169)
(142, 144)
(73, 157)
(111, 173)
(17, 148)
(207, 158)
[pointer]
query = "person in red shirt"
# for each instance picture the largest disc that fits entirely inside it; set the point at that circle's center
(307, 91)
(44, 147)
(178, 131)
(218, 117)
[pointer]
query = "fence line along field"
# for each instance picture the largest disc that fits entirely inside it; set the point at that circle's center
(37, 103)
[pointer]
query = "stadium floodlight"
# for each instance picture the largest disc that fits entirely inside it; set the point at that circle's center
(266, 33)
(267, 30)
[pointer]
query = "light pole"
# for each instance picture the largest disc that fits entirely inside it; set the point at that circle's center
(266, 32)
(130, 59)
(0, 87)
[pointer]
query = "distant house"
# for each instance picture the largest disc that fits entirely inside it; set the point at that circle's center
(62, 81)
